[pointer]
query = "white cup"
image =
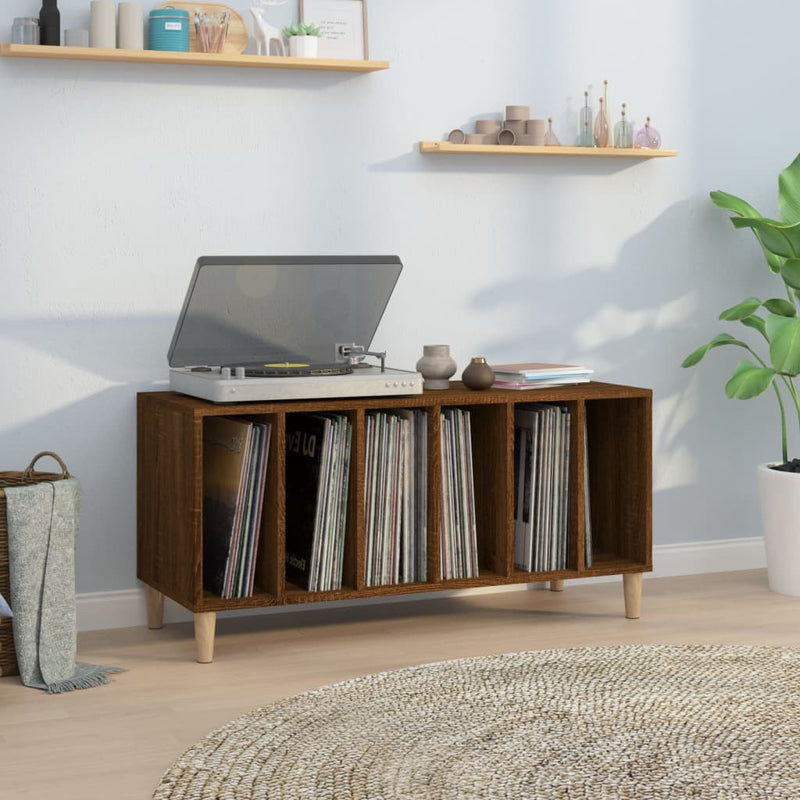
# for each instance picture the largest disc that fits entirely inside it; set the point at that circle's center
(103, 24)
(130, 29)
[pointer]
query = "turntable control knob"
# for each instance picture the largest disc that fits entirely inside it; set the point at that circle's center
(225, 373)
(240, 372)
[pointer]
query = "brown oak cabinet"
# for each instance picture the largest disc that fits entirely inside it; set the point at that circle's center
(610, 443)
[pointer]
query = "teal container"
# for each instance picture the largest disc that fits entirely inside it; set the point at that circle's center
(169, 30)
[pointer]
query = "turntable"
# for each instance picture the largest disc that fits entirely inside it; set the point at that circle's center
(258, 328)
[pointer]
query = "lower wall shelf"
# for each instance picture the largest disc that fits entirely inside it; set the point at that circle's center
(528, 150)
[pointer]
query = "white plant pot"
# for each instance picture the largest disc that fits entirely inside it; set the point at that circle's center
(779, 497)
(303, 46)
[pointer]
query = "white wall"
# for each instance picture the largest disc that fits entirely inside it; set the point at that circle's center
(114, 178)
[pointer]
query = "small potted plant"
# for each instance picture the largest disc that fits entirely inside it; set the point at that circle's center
(303, 38)
(776, 322)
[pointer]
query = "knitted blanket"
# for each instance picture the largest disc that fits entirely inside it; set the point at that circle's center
(43, 521)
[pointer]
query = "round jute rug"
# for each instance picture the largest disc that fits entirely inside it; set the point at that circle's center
(643, 723)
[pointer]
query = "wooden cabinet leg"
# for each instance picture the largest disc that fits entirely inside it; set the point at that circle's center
(155, 608)
(556, 586)
(205, 624)
(632, 586)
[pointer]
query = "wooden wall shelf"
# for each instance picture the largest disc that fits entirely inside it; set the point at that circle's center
(526, 150)
(196, 59)
(610, 447)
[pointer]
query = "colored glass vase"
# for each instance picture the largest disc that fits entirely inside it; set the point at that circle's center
(648, 137)
(550, 138)
(586, 134)
(623, 131)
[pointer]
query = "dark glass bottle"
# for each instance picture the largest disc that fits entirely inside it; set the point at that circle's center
(50, 23)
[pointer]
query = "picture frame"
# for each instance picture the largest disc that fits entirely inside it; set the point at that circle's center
(343, 24)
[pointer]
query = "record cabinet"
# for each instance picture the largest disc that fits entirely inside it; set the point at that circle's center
(610, 494)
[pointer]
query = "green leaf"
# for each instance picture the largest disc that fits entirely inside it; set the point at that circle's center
(781, 307)
(729, 202)
(757, 323)
(720, 339)
(779, 239)
(784, 343)
(748, 381)
(789, 192)
(790, 272)
(741, 310)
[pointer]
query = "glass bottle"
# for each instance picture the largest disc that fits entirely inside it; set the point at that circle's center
(623, 132)
(601, 127)
(50, 23)
(550, 139)
(585, 137)
(647, 137)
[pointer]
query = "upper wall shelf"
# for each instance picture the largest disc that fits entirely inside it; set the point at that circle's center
(522, 150)
(206, 59)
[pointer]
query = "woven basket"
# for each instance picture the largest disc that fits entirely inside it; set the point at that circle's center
(8, 656)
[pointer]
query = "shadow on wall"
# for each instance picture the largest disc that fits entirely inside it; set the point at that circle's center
(634, 324)
(564, 166)
(96, 434)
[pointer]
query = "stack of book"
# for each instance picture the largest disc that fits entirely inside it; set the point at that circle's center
(536, 375)
(396, 496)
(541, 480)
(317, 477)
(235, 454)
(458, 544)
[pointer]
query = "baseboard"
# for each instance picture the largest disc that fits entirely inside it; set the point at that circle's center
(125, 609)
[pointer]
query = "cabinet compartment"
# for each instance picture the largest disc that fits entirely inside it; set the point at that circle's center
(492, 453)
(303, 445)
(265, 583)
(567, 539)
(620, 480)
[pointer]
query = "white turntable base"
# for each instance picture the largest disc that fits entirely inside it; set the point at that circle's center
(362, 382)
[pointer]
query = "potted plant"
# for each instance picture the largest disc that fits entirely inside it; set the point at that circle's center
(776, 322)
(303, 38)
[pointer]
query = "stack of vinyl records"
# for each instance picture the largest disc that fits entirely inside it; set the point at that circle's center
(541, 479)
(235, 454)
(396, 496)
(459, 540)
(317, 480)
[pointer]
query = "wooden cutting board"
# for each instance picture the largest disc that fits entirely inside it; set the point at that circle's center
(238, 35)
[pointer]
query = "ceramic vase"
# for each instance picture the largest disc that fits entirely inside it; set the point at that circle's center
(478, 374)
(436, 366)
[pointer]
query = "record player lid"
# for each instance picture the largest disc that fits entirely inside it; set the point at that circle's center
(280, 308)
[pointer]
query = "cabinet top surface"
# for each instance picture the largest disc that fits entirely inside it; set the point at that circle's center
(458, 394)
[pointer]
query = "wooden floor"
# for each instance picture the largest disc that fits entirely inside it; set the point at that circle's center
(116, 741)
